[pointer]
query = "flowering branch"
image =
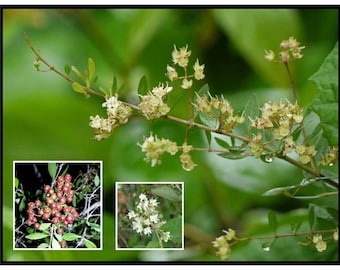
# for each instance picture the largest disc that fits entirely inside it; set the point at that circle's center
(278, 117)
(274, 133)
(224, 243)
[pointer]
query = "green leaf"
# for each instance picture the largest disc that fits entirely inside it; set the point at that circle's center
(97, 229)
(166, 192)
(132, 240)
(90, 244)
(153, 244)
(96, 180)
(325, 103)
(70, 236)
(22, 204)
(113, 86)
(44, 226)
(222, 143)
(204, 91)
(334, 213)
(92, 68)
(272, 220)
(77, 87)
(295, 227)
(311, 216)
(55, 243)
(43, 245)
(67, 69)
(101, 89)
(277, 191)
(16, 182)
(52, 169)
(59, 237)
(208, 120)
(77, 72)
(251, 111)
(324, 224)
(36, 236)
(143, 86)
(208, 136)
(234, 153)
(174, 226)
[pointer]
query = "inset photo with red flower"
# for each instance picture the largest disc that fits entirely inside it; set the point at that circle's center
(57, 205)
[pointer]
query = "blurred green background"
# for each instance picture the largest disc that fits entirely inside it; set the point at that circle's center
(43, 119)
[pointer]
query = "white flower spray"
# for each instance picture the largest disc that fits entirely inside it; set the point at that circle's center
(146, 220)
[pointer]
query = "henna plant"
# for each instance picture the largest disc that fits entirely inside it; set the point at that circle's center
(275, 130)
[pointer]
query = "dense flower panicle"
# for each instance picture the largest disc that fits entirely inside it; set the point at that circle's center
(279, 117)
(145, 219)
(306, 153)
(218, 108)
(155, 148)
(290, 50)
(186, 160)
(331, 156)
(289, 144)
(152, 105)
(223, 244)
(117, 112)
(256, 145)
(202, 103)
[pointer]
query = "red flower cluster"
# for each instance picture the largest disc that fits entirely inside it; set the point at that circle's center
(55, 208)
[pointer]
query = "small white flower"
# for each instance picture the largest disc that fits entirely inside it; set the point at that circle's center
(154, 218)
(131, 214)
(153, 202)
(142, 197)
(137, 226)
(95, 122)
(147, 231)
(165, 236)
(186, 84)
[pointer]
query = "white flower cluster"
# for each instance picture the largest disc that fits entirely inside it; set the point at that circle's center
(146, 219)
(152, 105)
(154, 148)
(181, 58)
(290, 50)
(118, 113)
(278, 117)
(219, 108)
(223, 244)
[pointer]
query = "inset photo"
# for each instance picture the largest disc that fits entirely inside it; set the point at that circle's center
(57, 205)
(149, 215)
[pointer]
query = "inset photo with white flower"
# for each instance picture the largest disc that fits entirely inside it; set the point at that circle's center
(149, 215)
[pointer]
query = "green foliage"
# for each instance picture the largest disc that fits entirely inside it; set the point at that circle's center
(52, 169)
(326, 102)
